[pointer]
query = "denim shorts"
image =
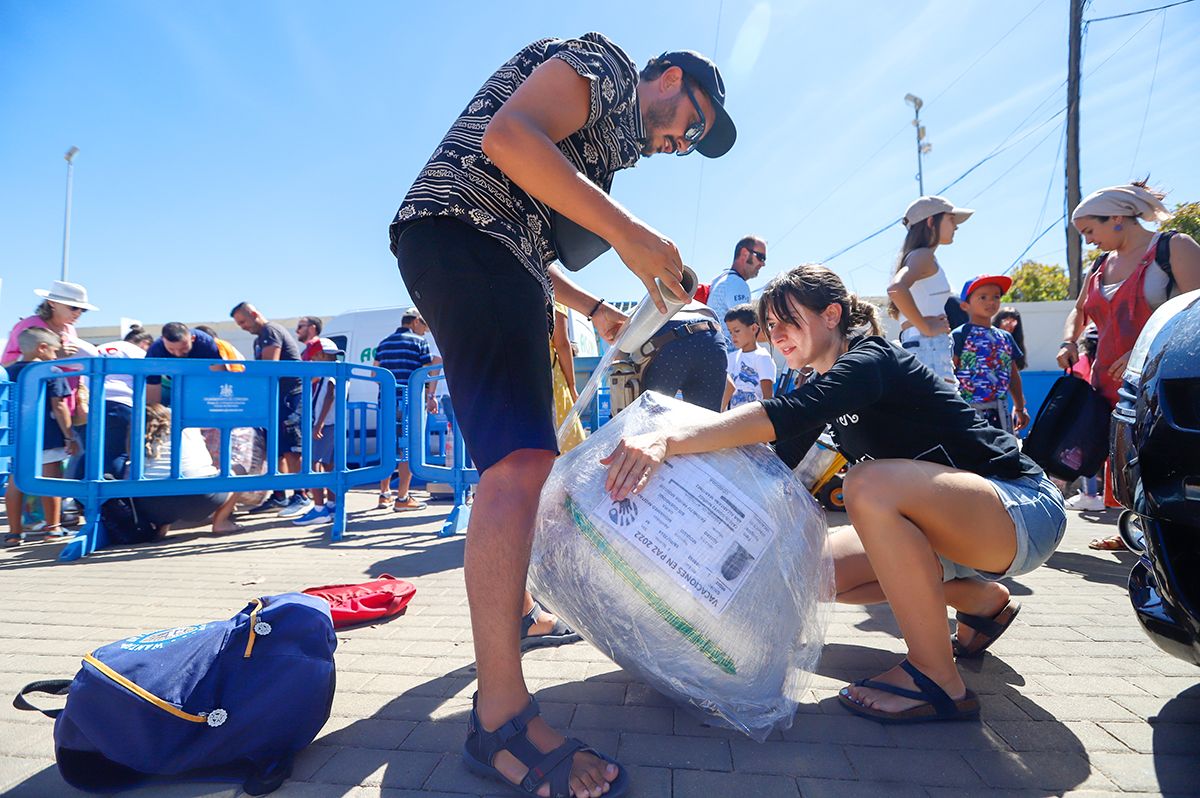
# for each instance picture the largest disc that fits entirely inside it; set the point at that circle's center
(935, 351)
(1036, 507)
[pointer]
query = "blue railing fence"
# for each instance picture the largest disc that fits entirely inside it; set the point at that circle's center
(458, 473)
(205, 395)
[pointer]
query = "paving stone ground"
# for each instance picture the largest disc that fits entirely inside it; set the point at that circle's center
(1075, 698)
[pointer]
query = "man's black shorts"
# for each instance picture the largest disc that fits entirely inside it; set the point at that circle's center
(488, 316)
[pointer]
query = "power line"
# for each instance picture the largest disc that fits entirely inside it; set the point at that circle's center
(1014, 165)
(1136, 13)
(700, 182)
(1050, 184)
(1002, 146)
(1149, 94)
(886, 144)
(1034, 241)
(988, 50)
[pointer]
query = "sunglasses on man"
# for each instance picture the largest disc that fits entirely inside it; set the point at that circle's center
(695, 131)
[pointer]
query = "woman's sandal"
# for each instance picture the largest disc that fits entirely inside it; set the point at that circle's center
(987, 630)
(560, 635)
(938, 704)
(13, 539)
(1110, 543)
(553, 768)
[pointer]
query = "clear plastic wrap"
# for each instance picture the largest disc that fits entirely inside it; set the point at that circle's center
(711, 585)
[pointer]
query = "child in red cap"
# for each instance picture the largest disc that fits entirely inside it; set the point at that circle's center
(985, 356)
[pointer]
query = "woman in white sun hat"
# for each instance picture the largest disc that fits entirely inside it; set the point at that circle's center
(919, 288)
(61, 306)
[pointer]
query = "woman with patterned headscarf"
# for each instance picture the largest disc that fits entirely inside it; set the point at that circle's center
(1128, 282)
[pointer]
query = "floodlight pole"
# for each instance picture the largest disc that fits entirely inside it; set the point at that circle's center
(922, 146)
(66, 256)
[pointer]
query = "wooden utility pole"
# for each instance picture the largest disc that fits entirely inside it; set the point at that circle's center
(1074, 51)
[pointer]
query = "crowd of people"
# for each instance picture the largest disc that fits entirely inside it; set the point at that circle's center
(50, 334)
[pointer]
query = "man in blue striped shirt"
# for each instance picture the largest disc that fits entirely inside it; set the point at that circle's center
(402, 353)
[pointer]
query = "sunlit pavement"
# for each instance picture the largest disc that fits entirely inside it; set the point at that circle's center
(1075, 698)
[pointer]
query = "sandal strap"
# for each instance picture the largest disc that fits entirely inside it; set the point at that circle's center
(554, 769)
(492, 742)
(942, 703)
(979, 623)
(530, 618)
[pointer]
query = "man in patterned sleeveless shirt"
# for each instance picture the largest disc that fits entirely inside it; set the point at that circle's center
(519, 182)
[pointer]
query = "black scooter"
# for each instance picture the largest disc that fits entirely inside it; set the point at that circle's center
(1155, 449)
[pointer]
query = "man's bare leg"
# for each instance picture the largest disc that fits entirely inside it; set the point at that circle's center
(496, 563)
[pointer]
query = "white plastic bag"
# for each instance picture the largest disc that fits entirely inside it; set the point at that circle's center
(711, 585)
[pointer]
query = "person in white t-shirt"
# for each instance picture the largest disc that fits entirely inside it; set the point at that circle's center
(751, 367)
(118, 404)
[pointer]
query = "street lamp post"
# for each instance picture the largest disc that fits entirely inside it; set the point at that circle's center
(923, 147)
(70, 158)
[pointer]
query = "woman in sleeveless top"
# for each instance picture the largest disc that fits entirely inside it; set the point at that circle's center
(920, 289)
(1125, 286)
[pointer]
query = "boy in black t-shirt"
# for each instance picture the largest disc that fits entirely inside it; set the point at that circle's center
(922, 462)
(39, 344)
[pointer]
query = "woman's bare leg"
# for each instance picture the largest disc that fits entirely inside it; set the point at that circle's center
(905, 512)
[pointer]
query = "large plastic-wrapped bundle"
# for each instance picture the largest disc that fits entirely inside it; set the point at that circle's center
(711, 585)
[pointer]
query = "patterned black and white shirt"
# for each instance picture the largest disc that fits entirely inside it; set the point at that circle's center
(460, 181)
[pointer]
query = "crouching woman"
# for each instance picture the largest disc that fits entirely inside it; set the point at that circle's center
(942, 505)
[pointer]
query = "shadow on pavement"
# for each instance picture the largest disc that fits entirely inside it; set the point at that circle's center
(1008, 749)
(1176, 742)
(1098, 567)
(380, 530)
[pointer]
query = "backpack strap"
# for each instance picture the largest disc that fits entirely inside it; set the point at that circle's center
(1162, 256)
(47, 686)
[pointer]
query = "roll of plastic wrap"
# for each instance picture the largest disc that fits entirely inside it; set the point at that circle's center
(712, 584)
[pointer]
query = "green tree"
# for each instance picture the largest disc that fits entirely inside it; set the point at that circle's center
(1186, 219)
(1037, 282)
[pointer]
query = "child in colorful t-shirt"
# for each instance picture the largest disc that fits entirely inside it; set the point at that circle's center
(984, 356)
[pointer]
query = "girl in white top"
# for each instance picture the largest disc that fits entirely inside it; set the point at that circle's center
(919, 288)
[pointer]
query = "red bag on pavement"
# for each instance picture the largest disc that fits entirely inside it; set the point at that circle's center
(351, 605)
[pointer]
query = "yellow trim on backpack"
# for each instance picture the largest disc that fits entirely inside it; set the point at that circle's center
(258, 605)
(141, 692)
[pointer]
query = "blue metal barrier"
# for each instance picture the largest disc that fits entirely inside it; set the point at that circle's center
(8, 413)
(458, 473)
(206, 395)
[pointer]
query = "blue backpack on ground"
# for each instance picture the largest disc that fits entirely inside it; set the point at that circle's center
(226, 700)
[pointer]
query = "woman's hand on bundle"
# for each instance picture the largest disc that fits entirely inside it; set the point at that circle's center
(633, 462)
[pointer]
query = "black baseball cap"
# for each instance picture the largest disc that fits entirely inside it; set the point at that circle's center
(722, 133)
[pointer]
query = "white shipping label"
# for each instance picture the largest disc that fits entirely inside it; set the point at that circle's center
(696, 525)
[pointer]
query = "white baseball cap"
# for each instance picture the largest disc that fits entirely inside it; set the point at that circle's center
(924, 207)
(329, 347)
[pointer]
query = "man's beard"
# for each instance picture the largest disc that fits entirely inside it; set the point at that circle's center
(655, 118)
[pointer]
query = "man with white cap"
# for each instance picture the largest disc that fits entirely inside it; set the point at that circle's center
(920, 289)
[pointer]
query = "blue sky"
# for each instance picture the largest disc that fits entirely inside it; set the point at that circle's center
(258, 150)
